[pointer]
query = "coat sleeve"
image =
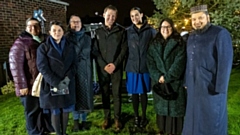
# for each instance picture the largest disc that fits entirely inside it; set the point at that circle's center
(73, 68)
(122, 55)
(43, 66)
(97, 55)
(86, 50)
(16, 61)
(152, 65)
(178, 67)
(224, 59)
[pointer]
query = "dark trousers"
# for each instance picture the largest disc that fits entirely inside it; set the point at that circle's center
(36, 122)
(105, 81)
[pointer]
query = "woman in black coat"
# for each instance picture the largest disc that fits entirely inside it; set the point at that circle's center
(138, 80)
(57, 62)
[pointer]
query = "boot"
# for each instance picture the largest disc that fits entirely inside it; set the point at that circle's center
(76, 126)
(105, 124)
(118, 125)
(84, 125)
(136, 122)
(143, 123)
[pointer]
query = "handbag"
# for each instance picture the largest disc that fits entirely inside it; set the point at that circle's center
(165, 90)
(59, 92)
(37, 85)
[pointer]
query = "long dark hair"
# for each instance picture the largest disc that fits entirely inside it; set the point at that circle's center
(174, 34)
(170, 21)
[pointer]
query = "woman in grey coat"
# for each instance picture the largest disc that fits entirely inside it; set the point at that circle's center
(84, 91)
(166, 64)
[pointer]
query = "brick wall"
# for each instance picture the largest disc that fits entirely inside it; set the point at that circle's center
(13, 15)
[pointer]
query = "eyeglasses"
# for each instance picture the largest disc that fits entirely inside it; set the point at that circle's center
(75, 22)
(166, 27)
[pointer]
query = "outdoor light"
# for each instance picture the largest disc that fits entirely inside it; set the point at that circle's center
(38, 14)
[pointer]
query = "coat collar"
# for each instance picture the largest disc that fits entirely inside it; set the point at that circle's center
(134, 29)
(165, 51)
(114, 29)
(171, 44)
(26, 34)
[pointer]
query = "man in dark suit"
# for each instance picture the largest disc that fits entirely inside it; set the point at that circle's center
(109, 50)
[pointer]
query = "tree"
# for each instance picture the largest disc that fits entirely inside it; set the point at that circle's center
(222, 12)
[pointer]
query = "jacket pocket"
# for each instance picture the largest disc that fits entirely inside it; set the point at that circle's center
(208, 80)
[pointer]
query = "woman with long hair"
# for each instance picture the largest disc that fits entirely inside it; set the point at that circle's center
(166, 64)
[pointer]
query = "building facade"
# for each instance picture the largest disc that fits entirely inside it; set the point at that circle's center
(13, 16)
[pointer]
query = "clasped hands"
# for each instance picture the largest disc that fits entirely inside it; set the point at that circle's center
(64, 83)
(109, 68)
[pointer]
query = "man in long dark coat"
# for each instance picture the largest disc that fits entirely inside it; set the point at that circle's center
(209, 63)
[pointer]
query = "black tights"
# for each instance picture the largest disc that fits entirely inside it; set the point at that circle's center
(59, 123)
(135, 102)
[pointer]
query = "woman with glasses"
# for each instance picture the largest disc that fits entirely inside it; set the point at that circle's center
(84, 91)
(138, 81)
(166, 64)
(56, 60)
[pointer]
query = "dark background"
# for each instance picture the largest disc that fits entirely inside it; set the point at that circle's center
(86, 9)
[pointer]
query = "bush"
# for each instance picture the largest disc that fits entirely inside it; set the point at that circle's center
(8, 88)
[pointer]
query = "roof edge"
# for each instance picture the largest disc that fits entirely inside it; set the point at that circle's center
(59, 2)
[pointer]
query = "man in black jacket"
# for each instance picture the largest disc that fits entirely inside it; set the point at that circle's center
(109, 50)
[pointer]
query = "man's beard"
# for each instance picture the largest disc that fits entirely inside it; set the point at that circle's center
(200, 31)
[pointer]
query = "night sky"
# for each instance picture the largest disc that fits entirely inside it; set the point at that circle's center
(85, 8)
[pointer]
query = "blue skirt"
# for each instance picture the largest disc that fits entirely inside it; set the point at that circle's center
(138, 83)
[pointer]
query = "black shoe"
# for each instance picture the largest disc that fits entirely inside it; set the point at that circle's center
(84, 126)
(106, 124)
(136, 122)
(76, 126)
(118, 125)
(143, 123)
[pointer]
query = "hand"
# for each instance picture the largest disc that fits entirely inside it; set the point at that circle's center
(111, 67)
(24, 91)
(62, 85)
(106, 68)
(161, 79)
(66, 80)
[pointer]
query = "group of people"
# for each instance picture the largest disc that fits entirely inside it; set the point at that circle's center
(198, 70)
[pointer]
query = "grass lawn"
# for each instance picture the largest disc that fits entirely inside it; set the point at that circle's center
(12, 119)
